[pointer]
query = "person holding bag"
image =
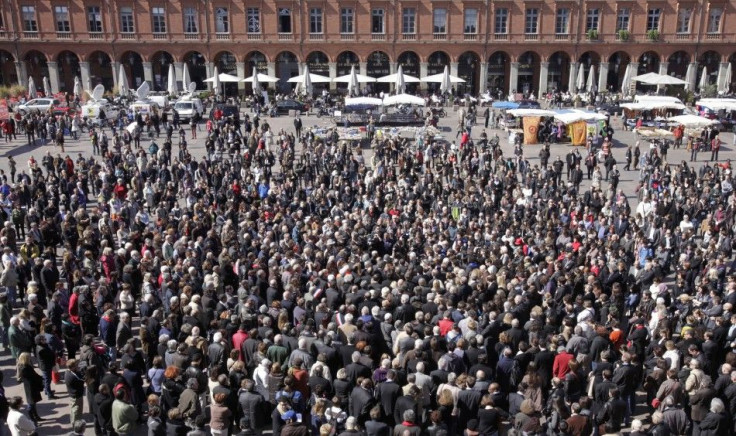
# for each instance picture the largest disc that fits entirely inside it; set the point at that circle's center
(32, 384)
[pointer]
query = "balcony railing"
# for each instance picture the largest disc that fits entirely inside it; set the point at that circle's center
(222, 36)
(562, 37)
(161, 36)
(285, 36)
(96, 35)
(316, 36)
(439, 36)
(347, 37)
(378, 36)
(409, 36)
(191, 36)
(471, 36)
(682, 36)
(255, 37)
(63, 35)
(30, 35)
(531, 37)
(128, 36)
(501, 36)
(713, 36)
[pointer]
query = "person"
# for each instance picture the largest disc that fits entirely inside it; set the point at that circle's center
(78, 427)
(18, 423)
(46, 362)
(32, 384)
(74, 382)
(292, 427)
(611, 417)
(156, 426)
(124, 415)
(220, 416)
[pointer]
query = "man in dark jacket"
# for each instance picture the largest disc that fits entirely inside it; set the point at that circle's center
(387, 393)
(361, 400)
(375, 427)
(103, 408)
(611, 416)
(74, 381)
(293, 427)
(252, 404)
(46, 361)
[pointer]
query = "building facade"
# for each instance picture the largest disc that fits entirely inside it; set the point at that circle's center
(500, 45)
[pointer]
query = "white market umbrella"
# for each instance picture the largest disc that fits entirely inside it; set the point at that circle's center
(400, 84)
(363, 101)
(444, 79)
(122, 82)
(306, 82)
(171, 88)
(689, 78)
(185, 80)
(646, 78)
(78, 87)
(580, 83)
(726, 85)
(403, 99)
(353, 84)
(626, 83)
(261, 78)
(215, 81)
(223, 78)
(256, 82)
(659, 79)
(703, 80)
(392, 78)
(692, 121)
(591, 79)
(31, 88)
(361, 78)
(47, 87)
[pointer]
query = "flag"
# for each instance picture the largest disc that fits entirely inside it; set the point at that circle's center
(578, 132)
(531, 127)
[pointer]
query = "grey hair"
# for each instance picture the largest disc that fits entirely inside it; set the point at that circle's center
(409, 415)
(717, 406)
(171, 345)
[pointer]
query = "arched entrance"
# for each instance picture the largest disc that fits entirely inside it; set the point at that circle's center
(8, 75)
(257, 60)
(133, 65)
(468, 68)
(617, 64)
(36, 67)
(498, 72)
(100, 70)
(345, 62)
(319, 63)
(528, 73)
(197, 66)
(228, 64)
(378, 65)
(436, 63)
(648, 63)
(590, 60)
(409, 62)
(677, 64)
(287, 66)
(710, 61)
(160, 62)
(68, 64)
(558, 76)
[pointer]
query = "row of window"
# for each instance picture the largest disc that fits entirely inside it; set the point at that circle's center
(378, 20)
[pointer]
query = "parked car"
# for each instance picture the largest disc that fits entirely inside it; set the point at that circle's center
(529, 104)
(40, 104)
(284, 106)
(191, 107)
(609, 108)
(160, 98)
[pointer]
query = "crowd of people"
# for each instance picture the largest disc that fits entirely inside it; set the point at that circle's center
(283, 283)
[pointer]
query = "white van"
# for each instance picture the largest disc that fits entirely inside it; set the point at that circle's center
(160, 98)
(145, 107)
(92, 110)
(189, 107)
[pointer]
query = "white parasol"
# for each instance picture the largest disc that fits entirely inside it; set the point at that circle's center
(580, 83)
(591, 79)
(726, 85)
(256, 83)
(78, 87)
(403, 99)
(31, 88)
(690, 78)
(185, 79)
(353, 84)
(400, 84)
(703, 80)
(171, 88)
(122, 82)
(47, 87)
(626, 83)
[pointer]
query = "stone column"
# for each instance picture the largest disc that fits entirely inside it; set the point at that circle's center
(179, 70)
(86, 81)
(423, 68)
(115, 65)
(332, 67)
(543, 77)
(663, 66)
(513, 77)
(210, 67)
(453, 69)
(20, 71)
(602, 76)
(53, 76)
(240, 68)
(148, 73)
(572, 77)
(691, 75)
(483, 79)
(271, 70)
(722, 85)
(363, 68)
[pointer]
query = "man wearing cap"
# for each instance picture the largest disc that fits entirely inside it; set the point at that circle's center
(293, 427)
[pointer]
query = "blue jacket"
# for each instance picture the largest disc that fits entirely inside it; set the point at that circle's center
(108, 329)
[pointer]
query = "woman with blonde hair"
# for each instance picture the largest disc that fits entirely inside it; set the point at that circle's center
(32, 383)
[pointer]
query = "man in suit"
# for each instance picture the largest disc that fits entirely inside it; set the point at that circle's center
(468, 401)
(407, 402)
(252, 404)
(544, 361)
(600, 391)
(362, 401)
(356, 369)
(375, 427)
(577, 424)
(387, 393)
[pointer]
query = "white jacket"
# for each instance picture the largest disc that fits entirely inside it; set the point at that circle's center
(20, 424)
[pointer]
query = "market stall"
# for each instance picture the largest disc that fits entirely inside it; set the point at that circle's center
(358, 110)
(402, 109)
(578, 124)
(531, 120)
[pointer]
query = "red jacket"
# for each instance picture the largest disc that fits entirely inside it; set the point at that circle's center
(560, 367)
(445, 326)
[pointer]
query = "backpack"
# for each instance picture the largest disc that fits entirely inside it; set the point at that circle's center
(153, 148)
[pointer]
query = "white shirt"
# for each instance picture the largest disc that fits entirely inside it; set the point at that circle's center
(20, 424)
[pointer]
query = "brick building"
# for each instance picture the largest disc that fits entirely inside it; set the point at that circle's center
(501, 45)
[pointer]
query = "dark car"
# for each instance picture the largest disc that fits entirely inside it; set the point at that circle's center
(529, 104)
(284, 106)
(228, 110)
(609, 108)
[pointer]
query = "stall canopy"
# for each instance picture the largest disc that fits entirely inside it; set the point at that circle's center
(530, 113)
(403, 99)
(361, 78)
(569, 116)
(717, 104)
(363, 101)
(659, 79)
(649, 102)
(505, 105)
(692, 121)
